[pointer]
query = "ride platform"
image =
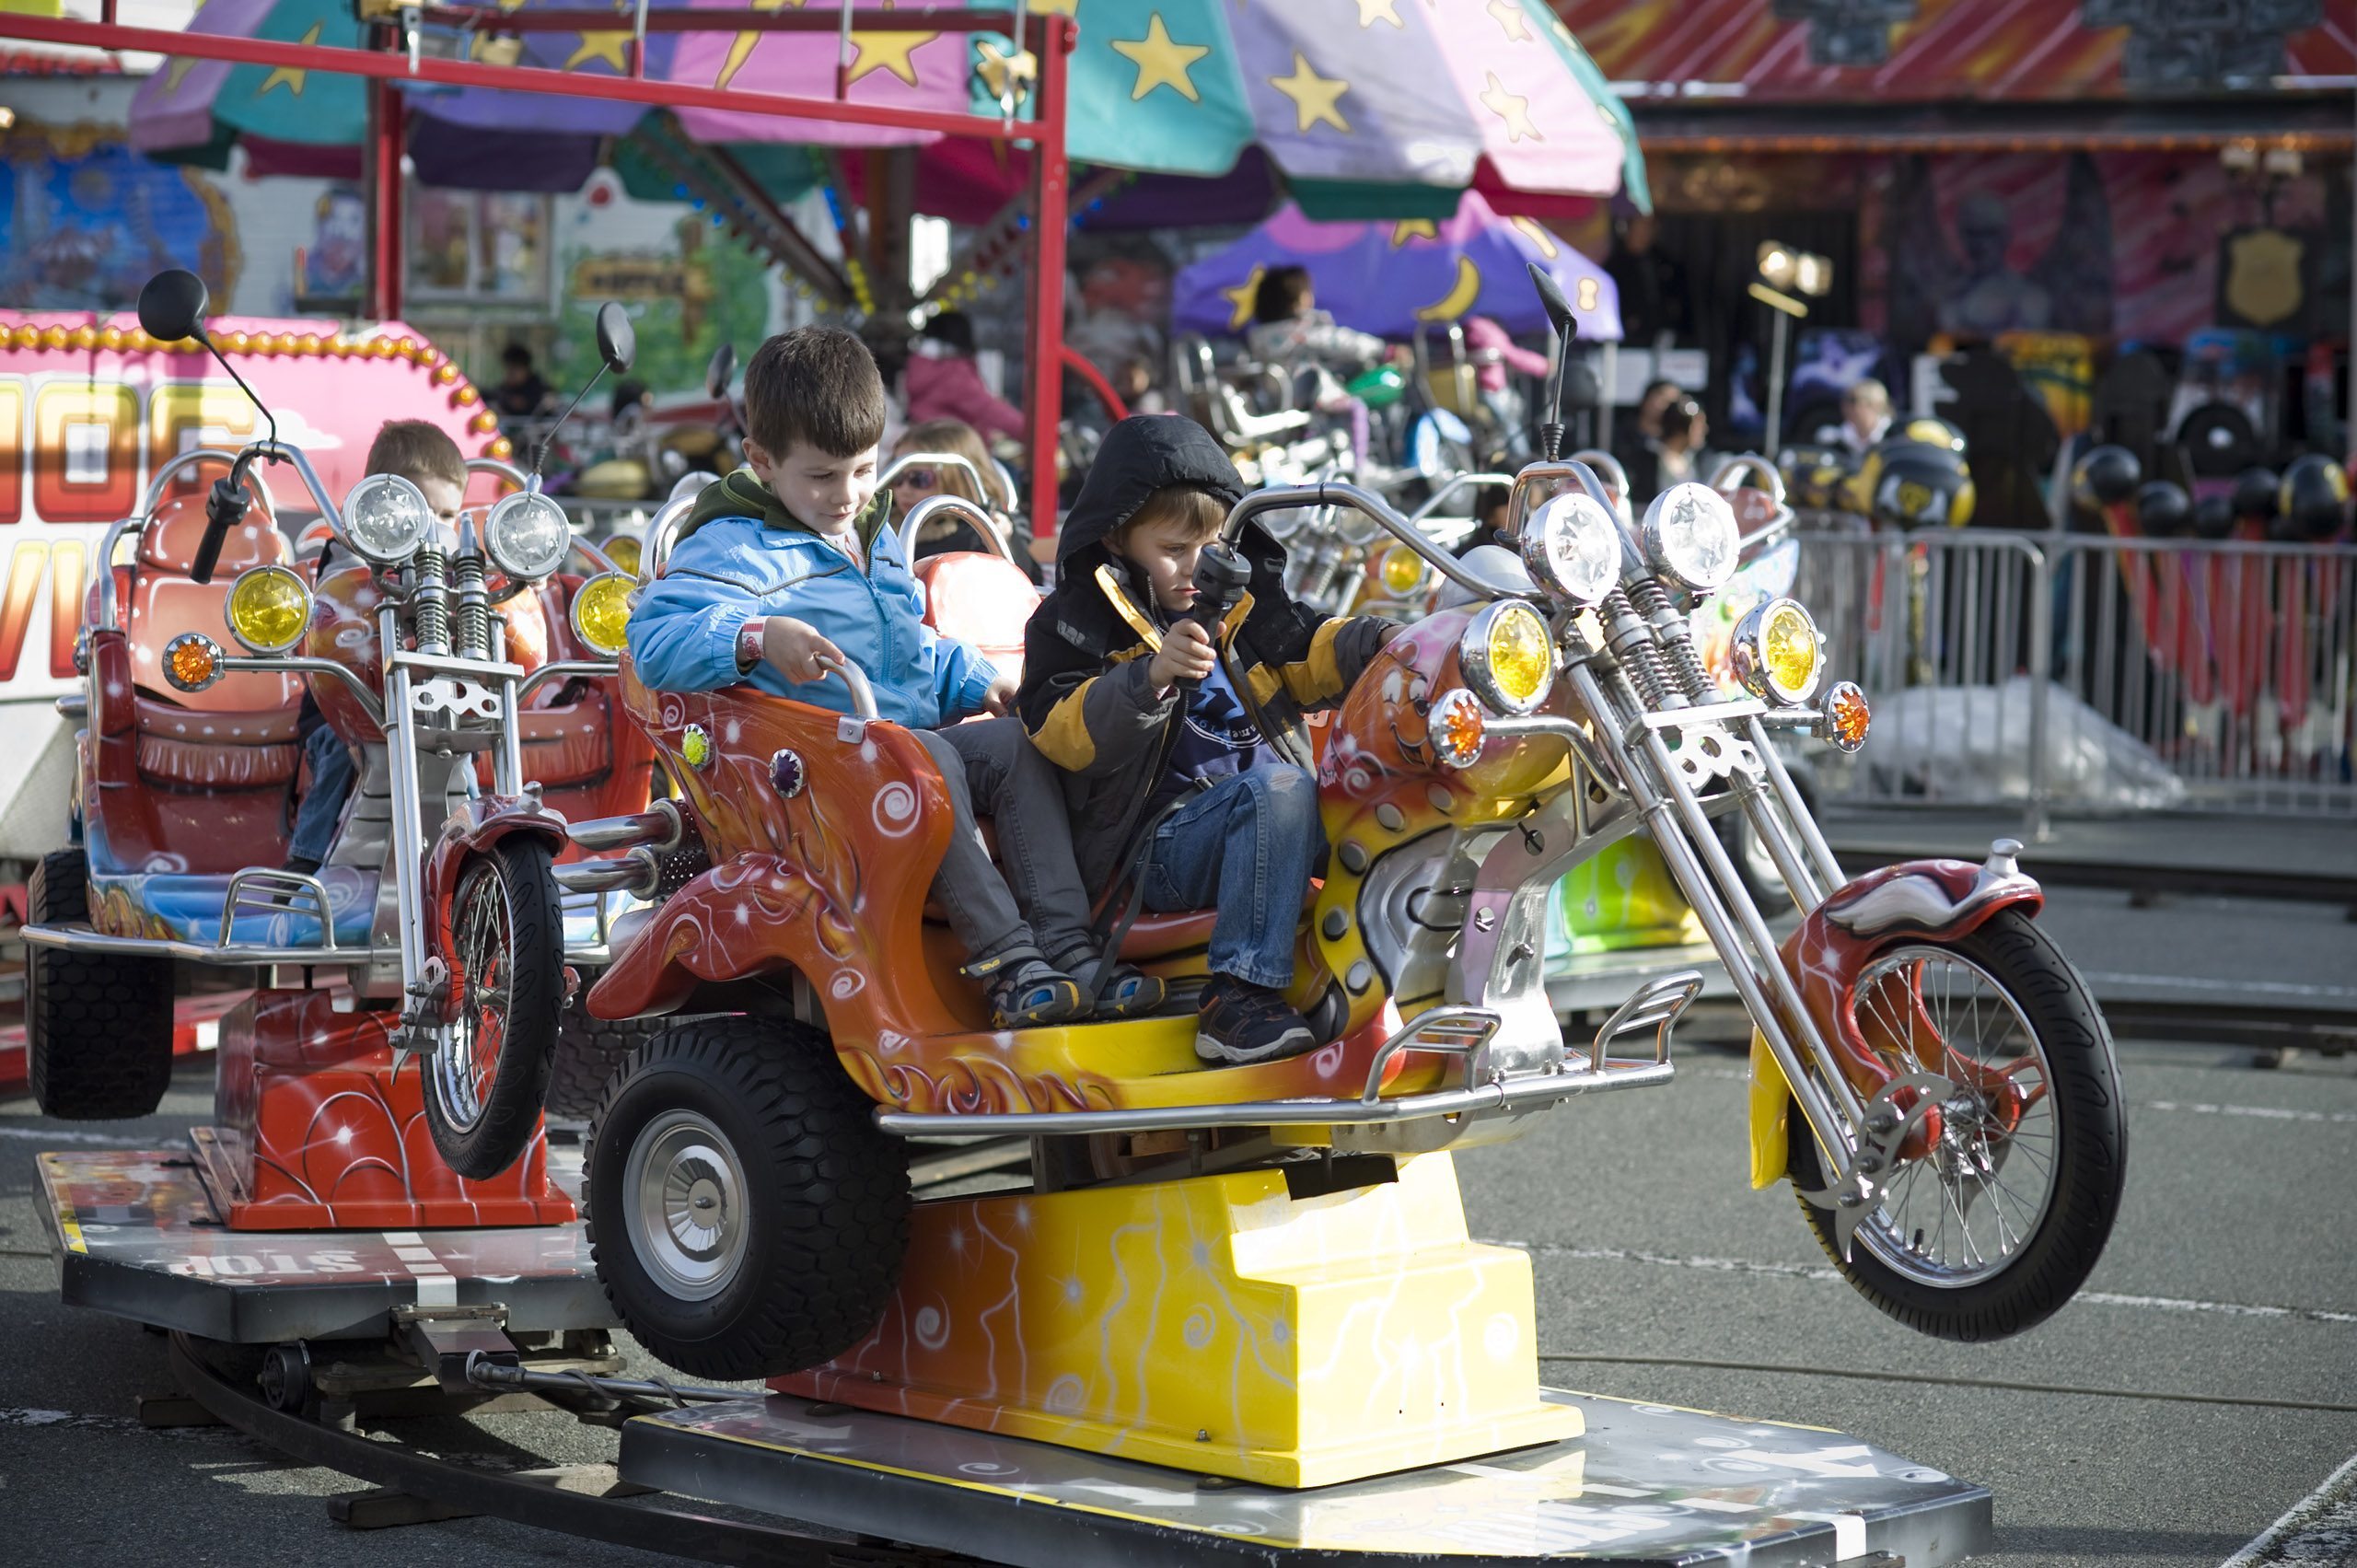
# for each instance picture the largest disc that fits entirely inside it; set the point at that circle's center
(1644, 1484)
(139, 1237)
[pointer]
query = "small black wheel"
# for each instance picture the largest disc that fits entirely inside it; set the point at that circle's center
(589, 1052)
(285, 1378)
(2001, 1221)
(747, 1216)
(98, 1028)
(484, 1086)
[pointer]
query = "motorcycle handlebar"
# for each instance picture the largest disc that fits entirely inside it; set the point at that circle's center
(1334, 494)
(932, 506)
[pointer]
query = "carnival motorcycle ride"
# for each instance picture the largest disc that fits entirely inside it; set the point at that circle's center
(1218, 1269)
(433, 928)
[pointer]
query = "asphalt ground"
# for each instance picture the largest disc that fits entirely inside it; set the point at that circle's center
(2203, 1364)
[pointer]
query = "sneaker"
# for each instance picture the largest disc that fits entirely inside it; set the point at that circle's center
(301, 864)
(1124, 991)
(1244, 1023)
(1026, 990)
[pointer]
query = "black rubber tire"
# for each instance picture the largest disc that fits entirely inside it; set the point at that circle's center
(98, 1030)
(511, 1111)
(589, 1052)
(2091, 1154)
(825, 1221)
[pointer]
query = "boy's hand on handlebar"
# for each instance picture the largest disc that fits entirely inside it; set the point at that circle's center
(1185, 654)
(793, 648)
(999, 701)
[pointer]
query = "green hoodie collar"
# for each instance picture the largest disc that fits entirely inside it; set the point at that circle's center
(743, 495)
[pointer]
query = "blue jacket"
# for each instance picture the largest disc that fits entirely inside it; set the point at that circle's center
(736, 566)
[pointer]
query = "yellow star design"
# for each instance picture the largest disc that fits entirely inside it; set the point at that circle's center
(1511, 108)
(1537, 234)
(288, 76)
(174, 72)
(741, 48)
(1242, 295)
(1160, 62)
(1373, 11)
(1055, 8)
(1412, 228)
(996, 69)
(1508, 15)
(606, 46)
(1313, 96)
(887, 52)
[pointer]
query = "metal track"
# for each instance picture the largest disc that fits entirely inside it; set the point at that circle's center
(647, 1525)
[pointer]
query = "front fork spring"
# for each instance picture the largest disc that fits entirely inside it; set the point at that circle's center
(475, 608)
(1653, 605)
(430, 603)
(1624, 631)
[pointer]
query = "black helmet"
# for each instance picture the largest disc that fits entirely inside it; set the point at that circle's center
(2255, 497)
(1932, 431)
(2164, 510)
(2106, 477)
(2213, 515)
(2314, 498)
(1908, 484)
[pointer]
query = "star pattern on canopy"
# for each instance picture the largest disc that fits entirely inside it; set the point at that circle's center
(1413, 228)
(291, 78)
(1374, 11)
(1508, 15)
(1161, 62)
(176, 71)
(1242, 296)
(606, 46)
(996, 67)
(741, 48)
(1511, 108)
(887, 52)
(1055, 7)
(1314, 97)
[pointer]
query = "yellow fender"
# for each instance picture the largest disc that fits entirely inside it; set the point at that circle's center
(1771, 1102)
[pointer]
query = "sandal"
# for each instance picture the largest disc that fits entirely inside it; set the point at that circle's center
(1026, 990)
(1125, 990)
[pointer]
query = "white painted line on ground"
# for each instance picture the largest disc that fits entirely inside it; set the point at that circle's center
(1819, 1272)
(2263, 1112)
(2320, 1529)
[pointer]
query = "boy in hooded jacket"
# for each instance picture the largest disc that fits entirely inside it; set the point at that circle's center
(791, 563)
(1188, 765)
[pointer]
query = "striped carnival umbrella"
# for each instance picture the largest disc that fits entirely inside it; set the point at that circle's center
(292, 121)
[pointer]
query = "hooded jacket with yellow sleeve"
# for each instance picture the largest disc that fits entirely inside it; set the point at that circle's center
(1086, 699)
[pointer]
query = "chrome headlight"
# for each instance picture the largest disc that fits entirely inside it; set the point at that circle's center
(1402, 571)
(269, 609)
(1508, 656)
(601, 613)
(527, 535)
(1691, 533)
(385, 518)
(1778, 653)
(1573, 545)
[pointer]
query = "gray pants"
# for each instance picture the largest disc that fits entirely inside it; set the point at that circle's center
(991, 767)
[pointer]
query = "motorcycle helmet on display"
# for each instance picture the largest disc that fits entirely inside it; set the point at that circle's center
(2218, 440)
(2164, 510)
(2254, 497)
(1932, 431)
(2213, 515)
(1908, 484)
(2313, 501)
(2104, 477)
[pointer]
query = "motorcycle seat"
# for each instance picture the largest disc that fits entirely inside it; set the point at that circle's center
(567, 744)
(980, 599)
(192, 748)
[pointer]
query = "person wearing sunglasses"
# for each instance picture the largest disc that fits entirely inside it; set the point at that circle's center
(947, 437)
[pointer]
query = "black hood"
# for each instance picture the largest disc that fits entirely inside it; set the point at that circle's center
(1140, 456)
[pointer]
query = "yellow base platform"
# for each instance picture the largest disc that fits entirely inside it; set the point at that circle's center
(1216, 1325)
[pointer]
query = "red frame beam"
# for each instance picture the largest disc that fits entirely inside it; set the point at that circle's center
(924, 20)
(1044, 348)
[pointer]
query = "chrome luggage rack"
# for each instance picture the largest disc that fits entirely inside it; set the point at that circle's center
(1461, 1033)
(257, 891)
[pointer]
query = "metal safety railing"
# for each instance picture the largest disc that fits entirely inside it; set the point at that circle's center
(2081, 672)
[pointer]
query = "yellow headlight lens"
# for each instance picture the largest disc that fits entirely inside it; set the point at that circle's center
(625, 551)
(269, 609)
(1522, 656)
(1402, 569)
(601, 613)
(1777, 652)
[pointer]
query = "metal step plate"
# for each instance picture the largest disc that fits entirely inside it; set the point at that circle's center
(1647, 1484)
(137, 1238)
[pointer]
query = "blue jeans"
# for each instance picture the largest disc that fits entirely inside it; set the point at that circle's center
(1248, 845)
(322, 807)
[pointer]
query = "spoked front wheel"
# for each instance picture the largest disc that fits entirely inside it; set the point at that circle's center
(484, 1086)
(2005, 1193)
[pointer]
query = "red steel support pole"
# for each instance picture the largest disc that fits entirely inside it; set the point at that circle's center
(1043, 357)
(385, 106)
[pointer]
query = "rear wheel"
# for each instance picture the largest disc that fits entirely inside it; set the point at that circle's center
(98, 1028)
(589, 1052)
(2000, 1219)
(484, 1086)
(747, 1216)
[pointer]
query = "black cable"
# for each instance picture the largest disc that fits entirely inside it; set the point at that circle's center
(2006, 1383)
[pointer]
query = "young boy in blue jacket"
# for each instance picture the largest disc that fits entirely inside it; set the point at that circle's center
(791, 560)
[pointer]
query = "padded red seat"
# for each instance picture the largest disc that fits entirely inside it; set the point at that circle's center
(567, 745)
(980, 599)
(188, 749)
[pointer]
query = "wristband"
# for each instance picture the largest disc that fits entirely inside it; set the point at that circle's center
(748, 644)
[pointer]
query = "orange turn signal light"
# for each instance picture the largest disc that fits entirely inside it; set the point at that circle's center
(192, 661)
(1844, 718)
(1457, 727)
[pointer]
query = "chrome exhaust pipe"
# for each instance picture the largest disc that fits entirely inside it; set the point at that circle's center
(656, 828)
(637, 872)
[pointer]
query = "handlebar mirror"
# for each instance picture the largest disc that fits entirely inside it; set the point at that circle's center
(724, 366)
(1550, 296)
(617, 339)
(173, 305)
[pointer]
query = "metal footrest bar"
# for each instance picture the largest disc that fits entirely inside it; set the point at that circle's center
(1656, 1006)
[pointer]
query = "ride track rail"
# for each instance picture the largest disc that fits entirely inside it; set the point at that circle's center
(458, 1489)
